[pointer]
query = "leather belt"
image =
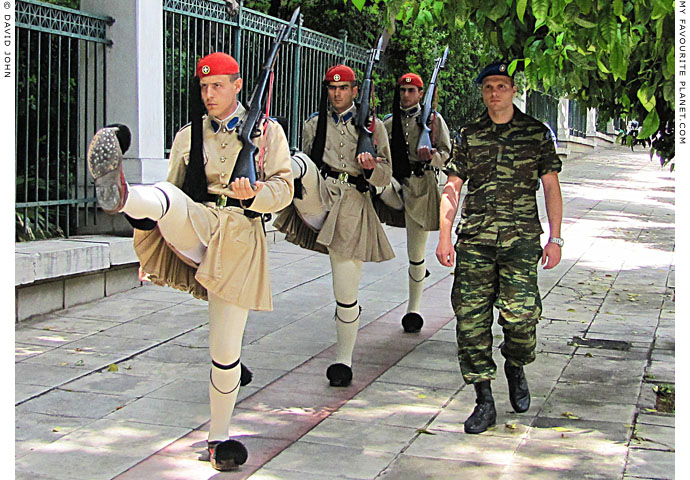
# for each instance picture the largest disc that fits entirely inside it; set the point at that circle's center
(358, 181)
(418, 168)
(225, 201)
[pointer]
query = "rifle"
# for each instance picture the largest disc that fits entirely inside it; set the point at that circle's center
(365, 121)
(427, 108)
(245, 166)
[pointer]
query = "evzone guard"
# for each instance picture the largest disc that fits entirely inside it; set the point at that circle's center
(420, 145)
(201, 230)
(333, 211)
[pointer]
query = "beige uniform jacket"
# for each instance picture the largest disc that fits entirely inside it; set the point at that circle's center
(352, 229)
(234, 266)
(421, 197)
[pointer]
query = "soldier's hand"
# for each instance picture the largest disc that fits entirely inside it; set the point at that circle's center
(242, 189)
(445, 252)
(551, 256)
(367, 160)
(425, 154)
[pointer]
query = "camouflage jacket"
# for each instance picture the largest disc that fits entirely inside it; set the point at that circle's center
(502, 165)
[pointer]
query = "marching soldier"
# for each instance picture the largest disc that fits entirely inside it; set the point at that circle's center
(502, 156)
(215, 248)
(420, 193)
(349, 230)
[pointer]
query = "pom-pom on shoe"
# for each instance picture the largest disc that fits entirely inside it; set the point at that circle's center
(339, 374)
(226, 455)
(104, 159)
(412, 322)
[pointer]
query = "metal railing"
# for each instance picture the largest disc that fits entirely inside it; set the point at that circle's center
(577, 119)
(543, 107)
(194, 28)
(60, 100)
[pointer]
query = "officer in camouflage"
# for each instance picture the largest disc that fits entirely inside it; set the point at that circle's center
(502, 155)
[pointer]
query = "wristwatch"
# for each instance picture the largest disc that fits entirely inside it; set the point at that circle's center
(557, 240)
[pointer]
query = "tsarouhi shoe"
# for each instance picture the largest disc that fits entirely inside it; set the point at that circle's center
(226, 455)
(104, 159)
(518, 391)
(339, 374)
(412, 322)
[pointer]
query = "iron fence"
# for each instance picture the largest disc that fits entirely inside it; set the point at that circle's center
(543, 107)
(60, 100)
(577, 119)
(195, 28)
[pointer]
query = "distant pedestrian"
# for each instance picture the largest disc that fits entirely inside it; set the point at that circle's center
(502, 156)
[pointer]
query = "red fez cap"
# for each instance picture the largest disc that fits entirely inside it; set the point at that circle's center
(217, 64)
(411, 79)
(339, 73)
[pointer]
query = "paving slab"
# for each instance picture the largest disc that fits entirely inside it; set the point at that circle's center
(403, 415)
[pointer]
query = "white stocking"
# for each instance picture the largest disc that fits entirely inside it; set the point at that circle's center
(346, 274)
(166, 204)
(225, 345)
(416, 246)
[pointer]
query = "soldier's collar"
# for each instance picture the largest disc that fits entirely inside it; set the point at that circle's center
(228, 124)
(345, 116)
(410, 111)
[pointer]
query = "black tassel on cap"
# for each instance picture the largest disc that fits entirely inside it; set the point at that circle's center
(401, 160)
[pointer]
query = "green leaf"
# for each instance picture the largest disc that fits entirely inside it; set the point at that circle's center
(520, 8)
(585, 6)
(608, 27)
(359, 4)
(671, 60)
(661, 8)
(540, 9)
(619, 63)
(584, 23)
(617, 7)
(508, 32)
(650, 125)
(646, 96)
(512, 67)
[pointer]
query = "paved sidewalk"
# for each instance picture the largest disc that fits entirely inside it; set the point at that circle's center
(118, 388)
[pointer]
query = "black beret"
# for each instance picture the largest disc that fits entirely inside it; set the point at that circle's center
(497, 68)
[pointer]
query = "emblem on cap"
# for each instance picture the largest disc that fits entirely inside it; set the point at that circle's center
(336, 77)
(502, 67)
(408, 79)
(205, 69)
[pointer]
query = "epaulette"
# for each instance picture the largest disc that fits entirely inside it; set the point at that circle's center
(185, 126)
(386, 117)
(315, 114)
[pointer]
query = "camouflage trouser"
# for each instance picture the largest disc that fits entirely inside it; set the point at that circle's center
(504, 277)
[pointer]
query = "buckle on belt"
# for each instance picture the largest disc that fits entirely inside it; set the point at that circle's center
(221, 201)
(342, 176)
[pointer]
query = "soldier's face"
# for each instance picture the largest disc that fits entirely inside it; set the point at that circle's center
(341, 95)
(219, 93)
(410, 96)
(498, 93)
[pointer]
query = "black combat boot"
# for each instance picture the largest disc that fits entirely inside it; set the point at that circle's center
(484, 414)
(518, 390)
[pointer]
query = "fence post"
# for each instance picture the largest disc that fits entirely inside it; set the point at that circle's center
(563, 132)
(134, 79)
(296, 68)
(343, 37)
(237, 37)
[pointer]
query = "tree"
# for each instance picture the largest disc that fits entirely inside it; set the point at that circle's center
(614, 55)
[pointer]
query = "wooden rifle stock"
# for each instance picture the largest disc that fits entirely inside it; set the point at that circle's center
(428, 106)
(365, 141)
(245, 165)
